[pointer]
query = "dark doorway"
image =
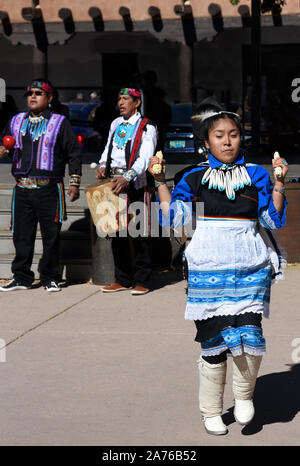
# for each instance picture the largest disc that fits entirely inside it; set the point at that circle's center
(280, 112)
(119, 70)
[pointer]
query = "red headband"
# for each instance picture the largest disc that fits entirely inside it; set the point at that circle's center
(130, 91)
(40, 85)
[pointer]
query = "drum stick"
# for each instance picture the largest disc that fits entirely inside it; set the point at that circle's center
(278, 170)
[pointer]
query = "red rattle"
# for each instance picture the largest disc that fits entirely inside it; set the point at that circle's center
(8, 142)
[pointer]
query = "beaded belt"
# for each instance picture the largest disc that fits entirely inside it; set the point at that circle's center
(31, 183)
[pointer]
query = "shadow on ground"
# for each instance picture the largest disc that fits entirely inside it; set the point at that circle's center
(162, 278)
(276, 400)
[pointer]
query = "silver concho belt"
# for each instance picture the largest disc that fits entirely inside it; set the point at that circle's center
(117, 171)
(31, 183)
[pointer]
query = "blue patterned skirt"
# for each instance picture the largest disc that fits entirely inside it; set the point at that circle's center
(247, 338)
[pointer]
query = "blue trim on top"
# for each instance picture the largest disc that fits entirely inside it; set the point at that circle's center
(215, 163)
(261, 179)
(182, 192)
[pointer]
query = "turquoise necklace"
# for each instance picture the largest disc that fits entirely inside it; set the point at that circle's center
(123, 133)
(36, 126)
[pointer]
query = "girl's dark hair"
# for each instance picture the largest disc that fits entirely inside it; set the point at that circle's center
(201, 128)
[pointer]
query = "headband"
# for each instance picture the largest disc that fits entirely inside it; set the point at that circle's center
(130, 91)
(210, 113)
(40, 85)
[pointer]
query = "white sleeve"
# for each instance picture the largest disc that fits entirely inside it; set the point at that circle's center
(147, 149)
(103, 158)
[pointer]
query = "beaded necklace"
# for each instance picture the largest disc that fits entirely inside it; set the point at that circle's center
(36, 126)
(123, 133)
(228, 178)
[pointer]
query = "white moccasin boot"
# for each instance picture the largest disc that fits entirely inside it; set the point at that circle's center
(245, 370)
(215, 426)
(211, 391)
(243, 411)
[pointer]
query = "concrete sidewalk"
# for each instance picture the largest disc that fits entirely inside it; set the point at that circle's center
(85, 368)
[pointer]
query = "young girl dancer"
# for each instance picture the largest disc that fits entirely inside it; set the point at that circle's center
(232, 260)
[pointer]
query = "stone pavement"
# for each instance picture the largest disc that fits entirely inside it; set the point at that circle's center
(81, 367)
(85, 368)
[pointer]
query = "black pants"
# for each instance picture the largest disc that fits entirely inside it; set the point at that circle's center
(132, 256)
(216, 359)
(31, 206)
(132, 260)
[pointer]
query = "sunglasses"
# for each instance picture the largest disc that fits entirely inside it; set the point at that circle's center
(38, 93)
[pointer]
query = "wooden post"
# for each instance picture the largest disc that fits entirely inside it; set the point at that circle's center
(185, 61)
(256, 73)
(39, 61)
(39, 58)
(185, 64)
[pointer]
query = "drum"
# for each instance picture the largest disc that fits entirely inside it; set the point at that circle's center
(108, 210)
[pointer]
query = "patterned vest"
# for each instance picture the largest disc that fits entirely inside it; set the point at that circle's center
(44, 158)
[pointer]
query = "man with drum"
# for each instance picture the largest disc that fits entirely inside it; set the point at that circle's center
(131, 143)
(44, 143)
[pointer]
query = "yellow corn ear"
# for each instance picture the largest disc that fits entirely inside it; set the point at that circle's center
(157, 167)
(278, 170)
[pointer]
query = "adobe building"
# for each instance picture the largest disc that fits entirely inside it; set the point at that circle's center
(190, 48)
(185, 49)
